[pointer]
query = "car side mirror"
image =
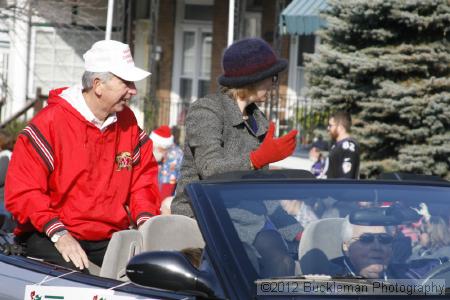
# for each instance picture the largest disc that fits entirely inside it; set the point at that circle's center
(168, 270)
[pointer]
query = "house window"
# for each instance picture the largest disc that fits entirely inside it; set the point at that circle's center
(306, 44)
(192, 55)
(198, 12)
(196, 64)
(4, 58)
(57, 56)
(252, 24)
(193, 46)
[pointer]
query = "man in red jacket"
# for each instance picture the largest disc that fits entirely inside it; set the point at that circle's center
(83, 169)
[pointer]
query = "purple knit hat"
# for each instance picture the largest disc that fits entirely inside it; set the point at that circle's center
(248, 61)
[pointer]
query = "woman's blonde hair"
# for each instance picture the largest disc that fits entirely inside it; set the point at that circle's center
(244, 92)
(438, 232)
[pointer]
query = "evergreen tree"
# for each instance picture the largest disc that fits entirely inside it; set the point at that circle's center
(388, 63)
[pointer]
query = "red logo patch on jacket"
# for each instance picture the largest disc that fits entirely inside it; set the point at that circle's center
(123, 160)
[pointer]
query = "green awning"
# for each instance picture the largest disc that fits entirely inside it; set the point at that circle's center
(302, 17)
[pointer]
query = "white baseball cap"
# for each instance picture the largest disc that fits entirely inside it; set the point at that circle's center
(115, 57)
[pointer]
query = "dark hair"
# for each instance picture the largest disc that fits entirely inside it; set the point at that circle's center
(176, 134)
(342, 118)
(6, 141)
(193, 255)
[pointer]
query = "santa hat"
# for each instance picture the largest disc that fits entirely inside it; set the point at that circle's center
(162, 137)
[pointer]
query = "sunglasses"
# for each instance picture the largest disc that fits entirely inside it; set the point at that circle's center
(368, 238)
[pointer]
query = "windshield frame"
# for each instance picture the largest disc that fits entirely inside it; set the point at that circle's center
(222, 242)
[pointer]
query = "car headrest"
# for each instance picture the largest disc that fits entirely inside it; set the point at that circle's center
(321, 242)
(170, 233)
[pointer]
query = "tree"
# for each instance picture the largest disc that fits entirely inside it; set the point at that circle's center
(388, 63)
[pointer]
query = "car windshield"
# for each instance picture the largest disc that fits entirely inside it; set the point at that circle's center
(342, 229)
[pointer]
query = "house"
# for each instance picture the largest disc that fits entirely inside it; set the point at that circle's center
(180, 41)
(41, 46)
(300, 20)
(188, 39)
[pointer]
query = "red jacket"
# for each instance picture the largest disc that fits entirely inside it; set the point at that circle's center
(67, 174)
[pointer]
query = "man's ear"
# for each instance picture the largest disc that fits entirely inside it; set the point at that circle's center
(97, 87)
(340, 128)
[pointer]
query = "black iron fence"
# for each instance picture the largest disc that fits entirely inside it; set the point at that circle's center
(288, 113)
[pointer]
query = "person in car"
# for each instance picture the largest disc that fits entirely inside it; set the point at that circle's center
(83, 169)
(227, 131)
(268, 229)
(367, 251)
(434, 240)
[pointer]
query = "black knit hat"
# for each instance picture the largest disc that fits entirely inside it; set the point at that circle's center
(248, 61)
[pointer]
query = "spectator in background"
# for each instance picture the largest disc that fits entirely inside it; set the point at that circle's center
(343, 159)
(169, 157)
(176, 132)
(227, 131)
(315, 155)
(320, 144)
(83, 169)
(6, 146)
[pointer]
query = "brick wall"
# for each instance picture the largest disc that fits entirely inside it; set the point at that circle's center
(166, 38)
(220, 35)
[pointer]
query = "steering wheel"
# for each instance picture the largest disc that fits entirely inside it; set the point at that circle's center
(440, 272)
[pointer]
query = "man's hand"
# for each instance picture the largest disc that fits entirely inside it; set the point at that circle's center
(71, 250)
(423, 211)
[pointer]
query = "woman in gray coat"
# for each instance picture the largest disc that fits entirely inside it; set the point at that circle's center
(227, 131)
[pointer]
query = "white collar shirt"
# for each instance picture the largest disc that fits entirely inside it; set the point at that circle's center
(74, 96)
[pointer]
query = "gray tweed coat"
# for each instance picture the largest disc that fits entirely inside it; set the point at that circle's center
(217, 141)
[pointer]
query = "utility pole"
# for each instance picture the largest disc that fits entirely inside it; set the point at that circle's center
(231, 9)
(152, 104)
(277, 43)
(109, 19)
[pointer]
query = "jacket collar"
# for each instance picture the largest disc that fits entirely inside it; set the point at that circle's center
(350, 269)
(74, 97)
(232, 110)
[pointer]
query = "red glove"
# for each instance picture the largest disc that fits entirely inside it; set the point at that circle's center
(167, 190)
(272, 150)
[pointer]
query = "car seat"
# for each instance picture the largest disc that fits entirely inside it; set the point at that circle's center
(170, 232)
(321, 242)
(121, 248)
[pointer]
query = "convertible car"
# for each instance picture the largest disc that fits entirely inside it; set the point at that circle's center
(267, 234)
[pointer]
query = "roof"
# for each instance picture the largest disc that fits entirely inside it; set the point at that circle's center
(302, 17)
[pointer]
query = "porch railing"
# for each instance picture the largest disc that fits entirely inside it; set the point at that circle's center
(36, 104)
(299, 114)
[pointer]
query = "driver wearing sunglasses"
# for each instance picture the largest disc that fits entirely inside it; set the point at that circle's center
(367, 251)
